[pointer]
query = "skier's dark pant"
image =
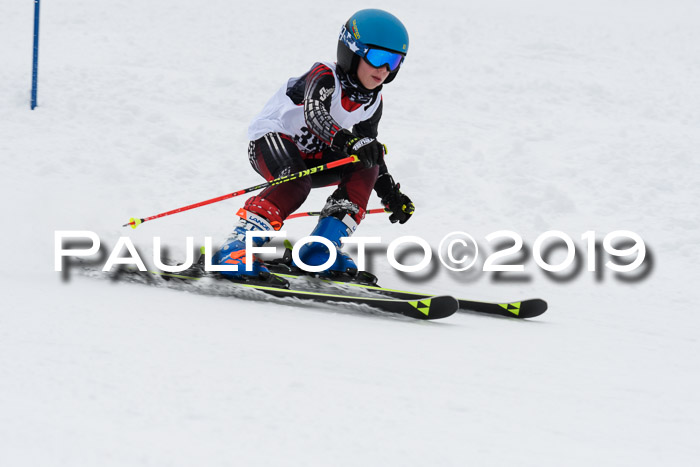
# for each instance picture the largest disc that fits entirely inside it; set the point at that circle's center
(275, 155)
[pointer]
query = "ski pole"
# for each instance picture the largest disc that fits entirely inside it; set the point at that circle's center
(318, 213)
(135, 222)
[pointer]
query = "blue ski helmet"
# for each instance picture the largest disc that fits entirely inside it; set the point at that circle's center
(375, 35)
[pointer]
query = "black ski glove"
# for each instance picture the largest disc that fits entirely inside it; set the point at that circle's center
(400, 205)
(368, 150)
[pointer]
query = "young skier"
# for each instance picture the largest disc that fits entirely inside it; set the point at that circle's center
(330, 112)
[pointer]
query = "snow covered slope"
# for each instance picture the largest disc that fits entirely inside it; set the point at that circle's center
(527, 116)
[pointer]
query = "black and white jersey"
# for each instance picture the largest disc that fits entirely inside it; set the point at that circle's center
(314, 107)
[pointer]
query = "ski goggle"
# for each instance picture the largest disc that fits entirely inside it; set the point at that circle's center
(379, 58)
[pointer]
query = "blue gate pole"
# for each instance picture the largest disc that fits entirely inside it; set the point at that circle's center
(35, 64)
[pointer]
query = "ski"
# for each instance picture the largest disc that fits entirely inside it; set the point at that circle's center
(424, 308)
(522, 309)
(417, 307)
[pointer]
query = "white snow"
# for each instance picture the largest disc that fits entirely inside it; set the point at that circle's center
(521, 115)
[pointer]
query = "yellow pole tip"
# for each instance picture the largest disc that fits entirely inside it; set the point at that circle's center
(133, 222)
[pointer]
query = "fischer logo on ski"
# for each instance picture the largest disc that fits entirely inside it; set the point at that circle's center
(512, 307)
(423, 306)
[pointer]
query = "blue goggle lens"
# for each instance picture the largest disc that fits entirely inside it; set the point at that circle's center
(379, 58)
